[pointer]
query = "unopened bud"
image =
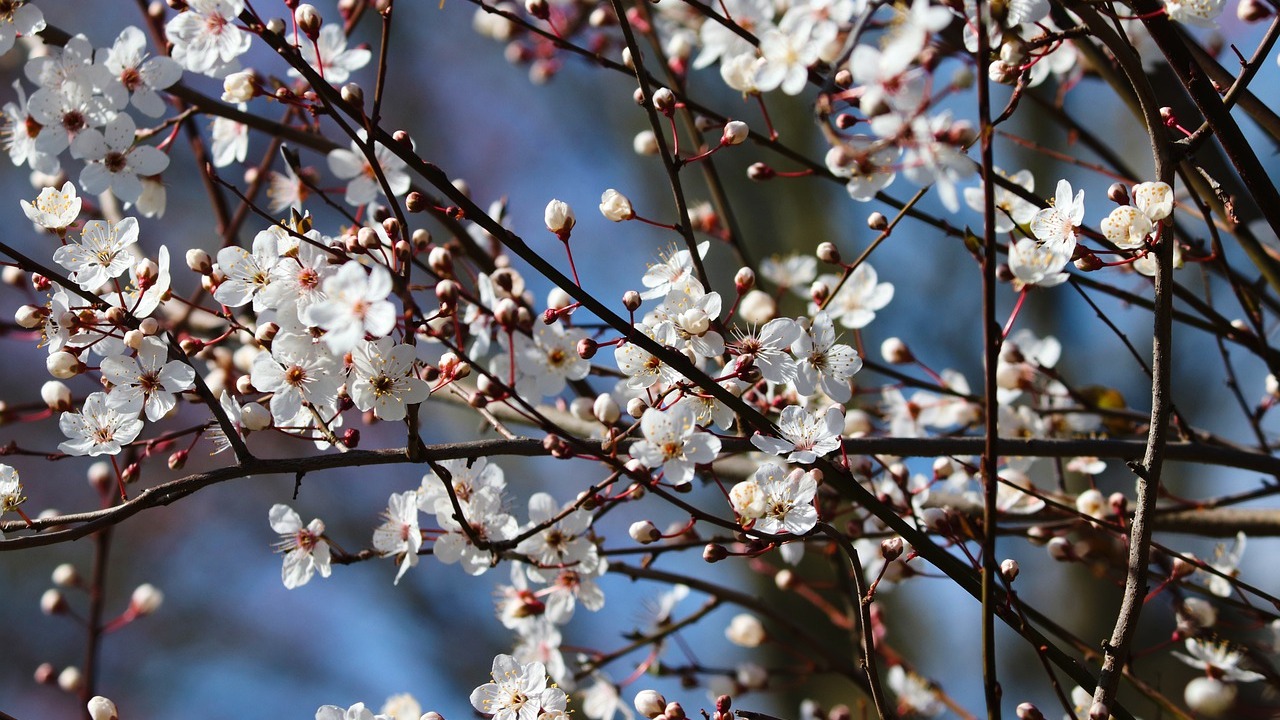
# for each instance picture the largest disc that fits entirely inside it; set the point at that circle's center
(605, 409)
(587, 348)
(309, 20)
(664, 101)
(146, 599)
(631, 300)
(714, 553)
(70, 679)
(760, 172)
(1118, 194)
(1060, 549)
(819, 292)
(559, 218)
(66, 575)
(101, 708)
(52, 602)
(1009, 569)
(674, 711)
(744, 280)
(650, 703)
(877, 221)
(644, 532)
(1088, 262)
(636, 407)
(895, 352)
(735, 133)
(56, 396)
(63, 365)
(828, 253)
(891, 548)
(1251, 11)
(1027, 711)
(30, 316)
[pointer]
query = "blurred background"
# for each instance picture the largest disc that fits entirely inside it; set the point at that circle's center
(231, 641)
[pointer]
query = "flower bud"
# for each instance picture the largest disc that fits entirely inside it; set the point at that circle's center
(650, 703)
(674, 711)
(735, 133)
(891, 548)
(759, 172)
(559, 218)
(63, 365)
(1251, 11)
(714, 553)
(52, 602)
(56, 396)
(441, 262)
(1209, 696)
(1009, 569)
(70, 679)
(101, 708)
(309, 20)
(745, 630)
(1027, 711)
(66, 575)
(605, 409)
(239, 87)
(895, 352)
(1060, 549)
(352, 94)
(146, 598)
(30, 316)
(587, 348)
(664, 101)
(828, 253)
(178, 460)
(1092, 503)
(644, 532)
(636, 407)
(631, 300)
(818, 292)
(645, 143)
(758, 307)
(615, 206)
(255, 417)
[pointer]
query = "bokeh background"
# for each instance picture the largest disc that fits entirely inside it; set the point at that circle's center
(230, 641)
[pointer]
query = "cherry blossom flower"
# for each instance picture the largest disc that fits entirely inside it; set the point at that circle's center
(147, 381)
(355, 712)
(296, 370)
(10, 489)
(1226, 562)
(562, 543)
(672, 442)
(824, 363)
(487, 521)
(54, 209)
(673, 267)
(468, 480)
(18, 18)
(915, 695)
(720, 43)
(805, 436)
(1055, 226)
(1202, 13)
(789, 52)
(355, 305)
(793, 272)
(782, 501)
(642, 368)
(768, 348)
(113, 161)
(21, 133)
(1219, 659)
(336, 62)
(518, 691)
(383, 378)
(64, 113)
(362, 186)
(539, 641)
(206, 38)
(247, 274)
(1011, 209)
(1034, 263)
(230, 144)
(101, 253)
(97, 429)
(399, 534)
(304, 547)
(138, 74)
(1127, 227)
(548, 360)
(867, 162)
(855, 304)
(686, 317)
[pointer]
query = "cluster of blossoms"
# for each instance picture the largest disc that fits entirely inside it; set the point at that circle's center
(295, 332)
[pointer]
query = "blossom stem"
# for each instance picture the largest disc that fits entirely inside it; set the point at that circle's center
(1022, 296)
